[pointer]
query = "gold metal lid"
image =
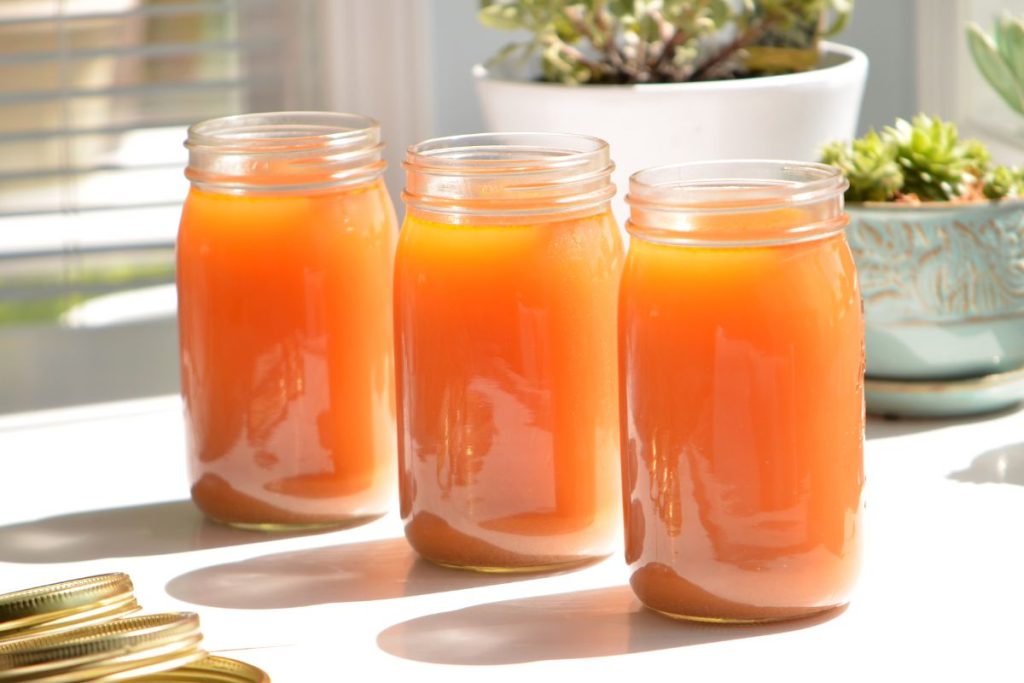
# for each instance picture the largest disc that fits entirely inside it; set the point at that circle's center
(210, 670)
(112, 651)
(65, 605)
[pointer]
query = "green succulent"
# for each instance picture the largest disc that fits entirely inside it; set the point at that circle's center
(1003, 181)
(791, 30)
(924, 157)
(1000, 57)
(660, 41)
(869, 165)
(937, 165)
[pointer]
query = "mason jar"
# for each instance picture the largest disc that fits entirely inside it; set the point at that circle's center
(741, 341)
(505, 288)
(285, 265)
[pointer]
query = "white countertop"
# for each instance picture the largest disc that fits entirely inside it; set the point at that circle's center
(102, 488)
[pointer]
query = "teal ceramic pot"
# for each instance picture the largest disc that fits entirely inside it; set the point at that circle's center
(943, 288)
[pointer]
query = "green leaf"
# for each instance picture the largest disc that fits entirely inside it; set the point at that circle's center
(977, 154)
(1010, 42)
(996, 71)
(843, 10)
(648, 28)
(565, 29)
(1001, 182)
(504, 54)
(720, 12)
(869, 165)
(501, 16)
(622, 8)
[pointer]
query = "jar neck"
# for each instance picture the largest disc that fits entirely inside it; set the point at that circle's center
(736, 203)
(509, 178)
(285, 152)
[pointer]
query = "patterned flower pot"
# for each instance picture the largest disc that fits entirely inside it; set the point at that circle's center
(943, 288)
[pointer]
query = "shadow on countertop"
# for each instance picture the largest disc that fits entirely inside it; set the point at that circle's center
(593, 623)
(154, 529)
(1004, 465)
(879, 427)
(354, 572)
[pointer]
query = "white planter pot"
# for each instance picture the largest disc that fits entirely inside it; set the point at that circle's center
(772, 117)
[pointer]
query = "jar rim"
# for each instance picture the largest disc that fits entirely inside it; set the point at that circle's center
(509, 152)
(694, 203)
(272, 131)
(513, 176)
(731, 186)
(284, 152)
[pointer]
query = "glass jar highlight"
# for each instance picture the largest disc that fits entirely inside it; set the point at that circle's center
(285, 266)
(505, 288)
(742, 362)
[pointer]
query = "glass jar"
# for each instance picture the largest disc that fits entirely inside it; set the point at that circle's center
(742, 361)
(505, 287)
(285, 264)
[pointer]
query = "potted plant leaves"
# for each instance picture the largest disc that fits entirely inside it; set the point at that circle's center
(937, 231)
(1000, 58)
(676, 80)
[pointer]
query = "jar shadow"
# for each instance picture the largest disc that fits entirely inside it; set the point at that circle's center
(1004, 465)
(354, 572)
(878, 427)
(135, 531)
(594, 623)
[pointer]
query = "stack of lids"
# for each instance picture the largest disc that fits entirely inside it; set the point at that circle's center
(77, 631)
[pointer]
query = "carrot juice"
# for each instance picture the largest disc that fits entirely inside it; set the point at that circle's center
(505, 293)
(285, 269)
(741, 360)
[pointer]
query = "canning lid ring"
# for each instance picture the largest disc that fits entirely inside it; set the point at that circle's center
(122, 648)
(69, 604)
(214, 670)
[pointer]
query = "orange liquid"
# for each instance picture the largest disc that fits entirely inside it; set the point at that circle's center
(743, 422)
(508, 440)
(286, 354)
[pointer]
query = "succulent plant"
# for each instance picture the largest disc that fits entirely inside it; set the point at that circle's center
(1000, 57)
(870, 166)
(921, 160)
(658, 41)
(937, 165)
(1003, 181)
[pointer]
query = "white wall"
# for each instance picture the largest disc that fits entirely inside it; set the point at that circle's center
(886, 31)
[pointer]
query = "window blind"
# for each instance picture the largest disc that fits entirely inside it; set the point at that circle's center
(95, 95)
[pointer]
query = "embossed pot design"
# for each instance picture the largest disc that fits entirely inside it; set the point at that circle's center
(943, 288)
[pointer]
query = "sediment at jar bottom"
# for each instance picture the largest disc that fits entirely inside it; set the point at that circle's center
(437, 541)
(660, 588)
(224, 504)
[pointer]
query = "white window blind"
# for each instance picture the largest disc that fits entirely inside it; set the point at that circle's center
(95, 97)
